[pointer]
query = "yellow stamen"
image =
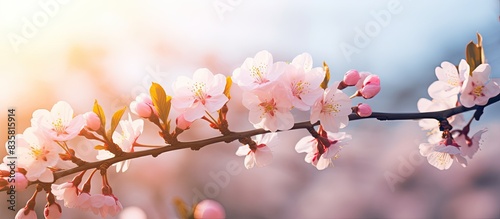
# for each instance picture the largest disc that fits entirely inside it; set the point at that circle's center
(258, 72)
(478, 91)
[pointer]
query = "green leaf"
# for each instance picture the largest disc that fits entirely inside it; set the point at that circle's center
(100, 113)
(161, 101)
(115, 120)
(474, 53)
(227, 89)
(324, 84)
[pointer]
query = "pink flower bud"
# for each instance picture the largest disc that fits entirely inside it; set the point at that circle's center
(209, 209)
(21, 182)
(364, 110)
(369, 91)
(362, 77)
(371, 86)
(182, 123)
(143, 106)
(25, 213)
(351, 77)
(52, 211)
(142, 110)
(92, 121)
(371, 79)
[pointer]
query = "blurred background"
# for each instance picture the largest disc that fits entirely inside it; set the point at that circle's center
(78, 51)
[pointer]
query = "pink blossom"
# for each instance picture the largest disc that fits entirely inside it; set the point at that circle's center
(261, 155)
(477, 89)
(35, 154)
(204, 93)
(321, 150)
(432, 125)
(59, 123)
(105, 205)
(302, 82)
(67, 192)
(371, 86)
(182, 123)
(332, 110)
(25, 213)
(269, 110)
(52, 211)
(303, 61)
(130, 131)
(364, 110)
(209, 209)
(449, 80)
(469, 146)
(83, 201)
(441, 154)
(351, 77)
(92, 121)
(258, 72)
(143, 106)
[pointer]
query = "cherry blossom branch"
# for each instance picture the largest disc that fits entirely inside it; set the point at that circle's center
(232, 136)
(438, 115)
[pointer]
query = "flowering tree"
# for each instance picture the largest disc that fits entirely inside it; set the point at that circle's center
(272, 92)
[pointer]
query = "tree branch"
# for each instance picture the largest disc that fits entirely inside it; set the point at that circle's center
(196, 145)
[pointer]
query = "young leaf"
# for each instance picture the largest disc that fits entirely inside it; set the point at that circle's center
(100, 147)
(324, 84)
(227, 89)
(474, 53)
(100, 113)
(181, 208)
(161, 101)
(115, 120)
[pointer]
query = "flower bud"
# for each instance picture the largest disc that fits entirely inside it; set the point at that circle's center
(351, 77)
(209, 209)
(143, 106)
(371, 79)
(141, 109)
(92, 121)
(364, 110)
(371, 86)
(369, 91)
(182, 123)
(52, 211)
(25, 213)
(362, 76)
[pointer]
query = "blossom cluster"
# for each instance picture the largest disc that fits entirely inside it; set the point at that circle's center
(46, 146)
(272, 90)
(456, 85)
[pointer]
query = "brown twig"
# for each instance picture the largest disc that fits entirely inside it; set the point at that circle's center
(196, 145)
